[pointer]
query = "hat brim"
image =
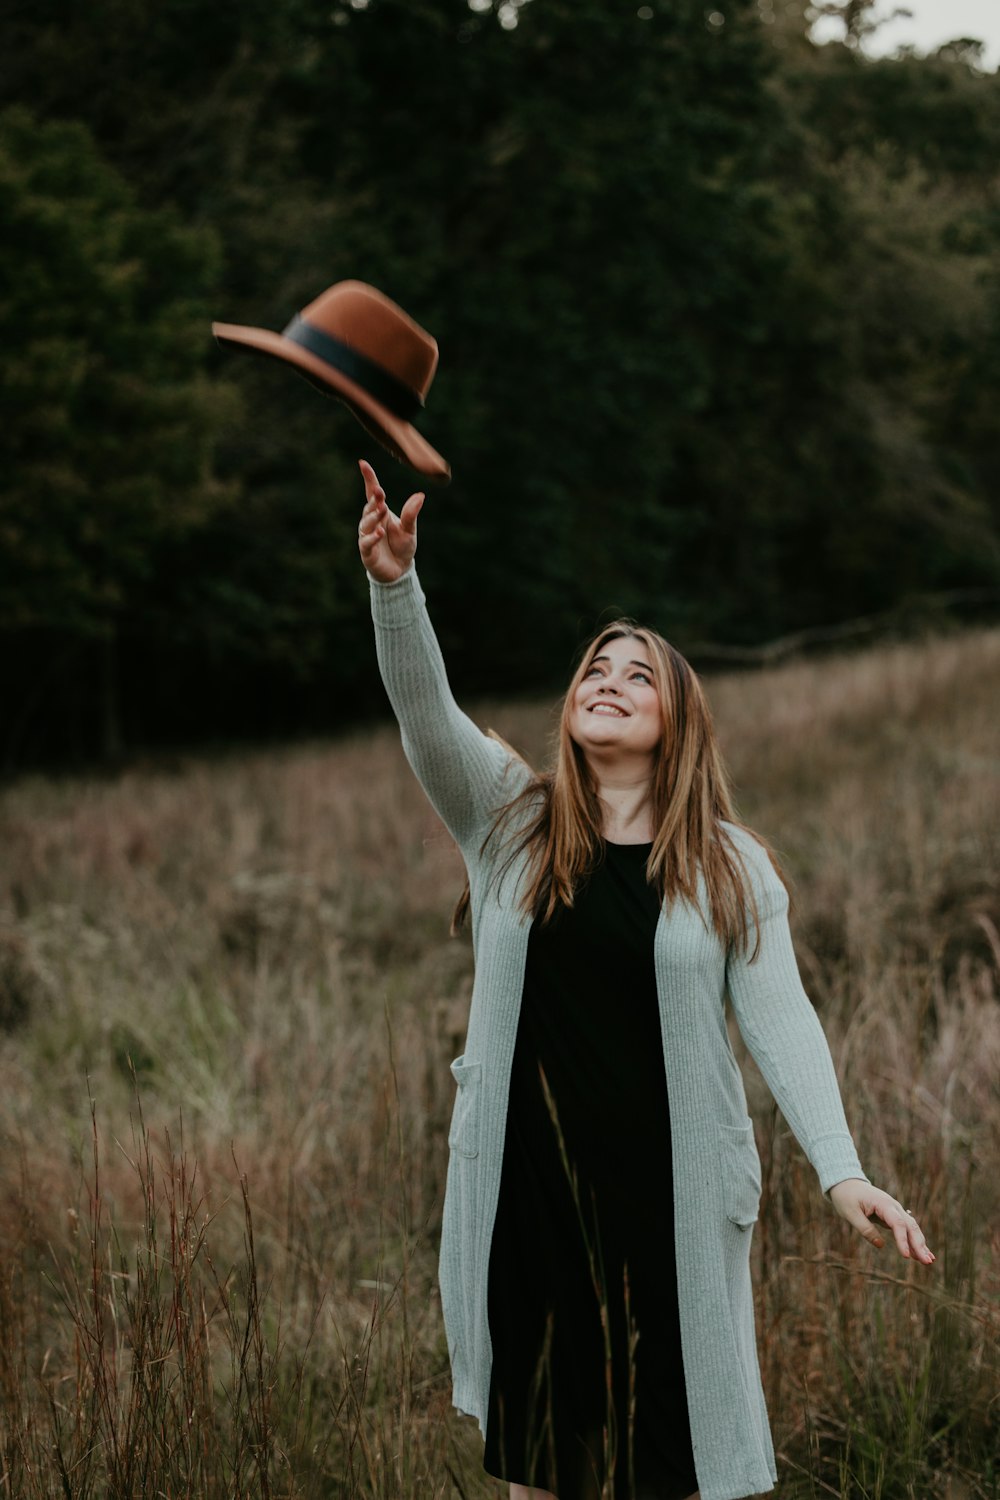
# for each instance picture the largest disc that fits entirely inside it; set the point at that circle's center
(401, 438)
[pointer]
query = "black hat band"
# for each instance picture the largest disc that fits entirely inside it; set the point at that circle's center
(382, 386)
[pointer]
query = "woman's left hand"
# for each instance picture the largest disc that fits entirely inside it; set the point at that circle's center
(858, 1202)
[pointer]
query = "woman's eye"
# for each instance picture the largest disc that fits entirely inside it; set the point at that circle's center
(645, 677)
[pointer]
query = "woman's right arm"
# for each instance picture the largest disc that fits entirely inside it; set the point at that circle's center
(460, 768)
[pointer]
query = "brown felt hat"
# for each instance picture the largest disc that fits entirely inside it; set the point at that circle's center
(354, 343)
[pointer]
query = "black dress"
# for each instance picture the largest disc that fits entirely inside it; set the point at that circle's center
(589, 1015)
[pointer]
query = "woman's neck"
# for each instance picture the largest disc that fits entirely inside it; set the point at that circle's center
(626, 808)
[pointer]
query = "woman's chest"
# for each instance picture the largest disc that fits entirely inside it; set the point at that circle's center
(602, 946)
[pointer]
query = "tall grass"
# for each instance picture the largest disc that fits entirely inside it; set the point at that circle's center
(227, 1006)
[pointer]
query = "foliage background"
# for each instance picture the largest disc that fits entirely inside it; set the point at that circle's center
(717, 308)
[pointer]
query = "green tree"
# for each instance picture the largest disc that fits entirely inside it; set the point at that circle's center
(108, 427)
(907, 216)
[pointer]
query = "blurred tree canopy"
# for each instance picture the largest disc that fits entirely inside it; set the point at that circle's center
(717, 309)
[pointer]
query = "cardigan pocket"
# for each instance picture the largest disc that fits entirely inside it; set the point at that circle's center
(463, 1137)
(740, 1170)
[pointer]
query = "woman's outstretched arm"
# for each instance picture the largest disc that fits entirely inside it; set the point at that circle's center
(460, 768)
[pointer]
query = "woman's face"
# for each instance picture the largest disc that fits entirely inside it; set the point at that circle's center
(617, 706)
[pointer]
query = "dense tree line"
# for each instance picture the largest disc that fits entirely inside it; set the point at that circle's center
(718, 313)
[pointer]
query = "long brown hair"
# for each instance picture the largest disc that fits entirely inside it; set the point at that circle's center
(690, 794)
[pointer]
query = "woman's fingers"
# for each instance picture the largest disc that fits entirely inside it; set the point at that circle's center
(373, 490)
(860, 1203)
(866, 1228)
(411, 510)
(909, 1236)
(376, 513)
(368, 541)
(905, 1230)
(373, 519)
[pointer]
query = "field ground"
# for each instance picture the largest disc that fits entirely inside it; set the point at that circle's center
(228, 1002)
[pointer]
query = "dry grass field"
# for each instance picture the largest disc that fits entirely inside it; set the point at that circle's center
(228, 1002)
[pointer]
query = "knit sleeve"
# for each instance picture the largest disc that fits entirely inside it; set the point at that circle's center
(461, 769)
(783, 1033)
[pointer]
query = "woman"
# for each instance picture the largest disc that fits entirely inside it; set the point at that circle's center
(600, 1149)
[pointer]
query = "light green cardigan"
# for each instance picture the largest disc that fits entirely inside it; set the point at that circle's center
(715, 1167)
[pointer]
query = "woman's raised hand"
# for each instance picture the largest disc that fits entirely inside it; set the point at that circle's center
(387, 543)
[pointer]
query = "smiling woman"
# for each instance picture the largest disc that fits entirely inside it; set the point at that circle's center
(621, 691)
(638, 762)
(603, 1178)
